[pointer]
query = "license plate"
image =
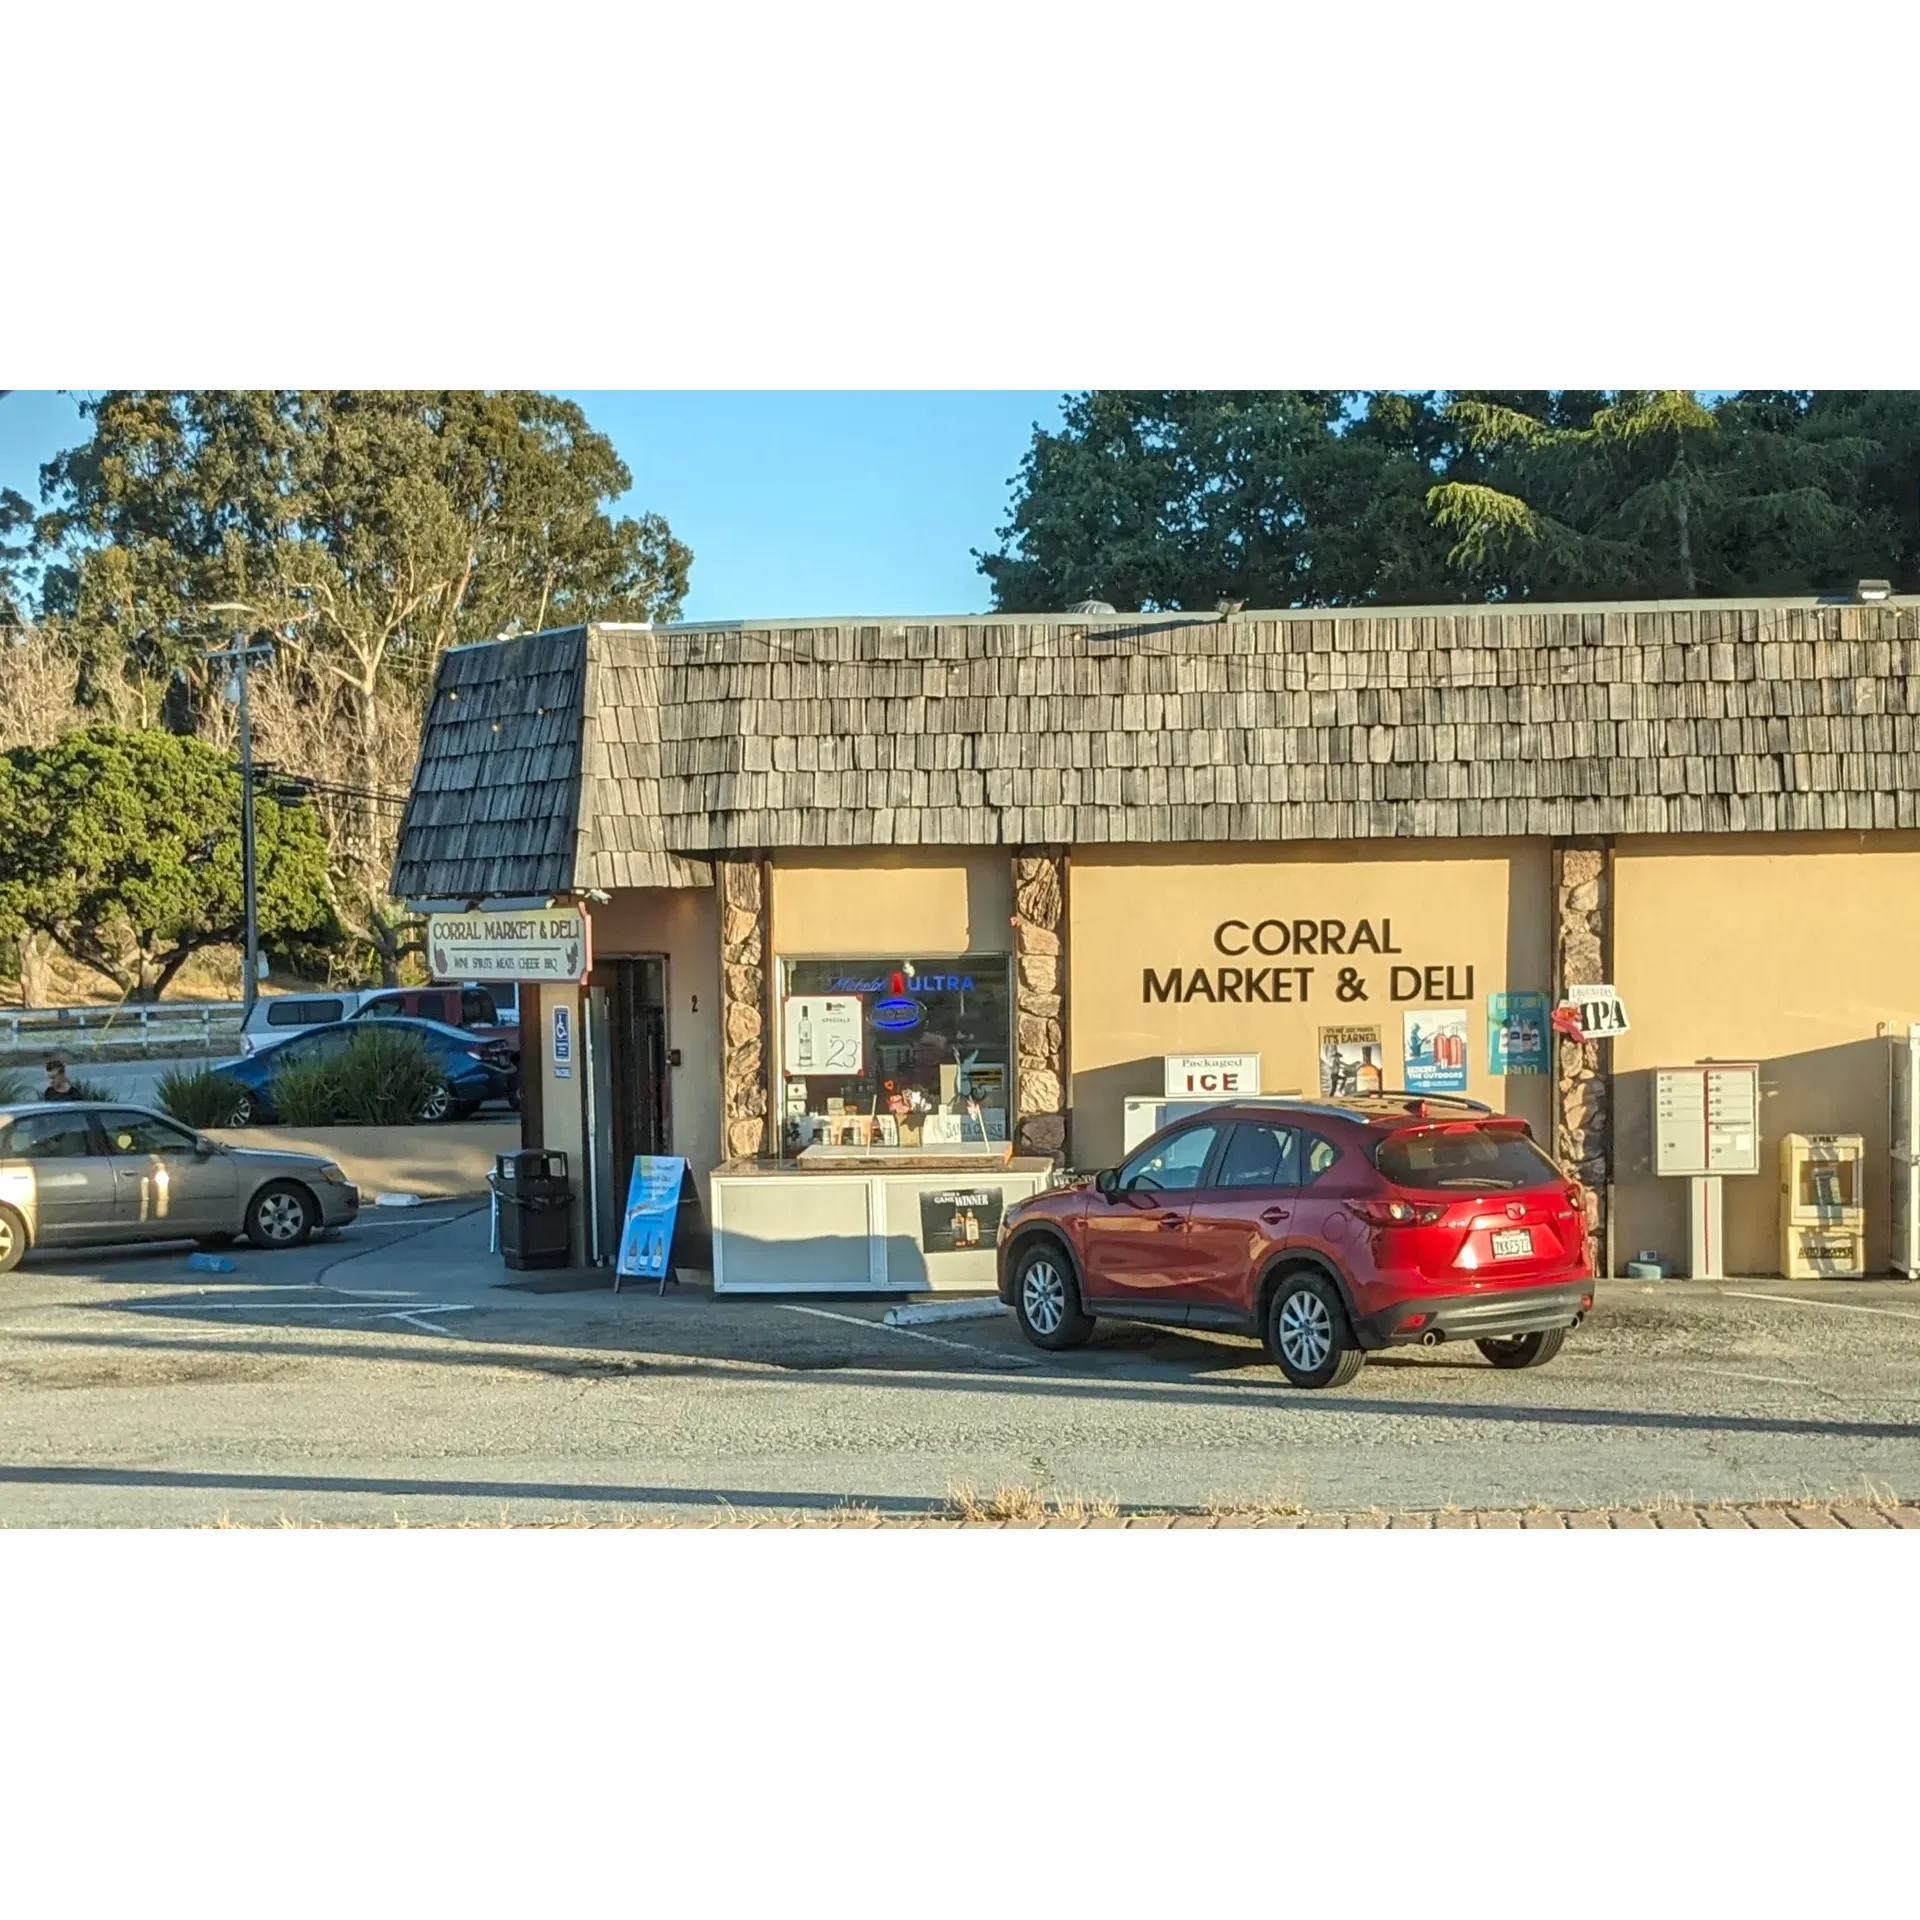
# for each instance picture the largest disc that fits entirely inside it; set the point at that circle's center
(1513, 1243)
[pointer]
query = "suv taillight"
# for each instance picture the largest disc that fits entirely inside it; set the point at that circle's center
(1395, 1213)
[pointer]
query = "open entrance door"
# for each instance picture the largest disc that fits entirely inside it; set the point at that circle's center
(632, 1075)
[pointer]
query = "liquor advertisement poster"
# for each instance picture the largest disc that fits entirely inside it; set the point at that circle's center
(1351, 1060)
(1516, 1033)
(1435, 1054)
(962, 1221)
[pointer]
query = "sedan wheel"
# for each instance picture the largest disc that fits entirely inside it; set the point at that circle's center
(282, 1215)
(1307, 1333)
(13, 1240)
(1046, 1301)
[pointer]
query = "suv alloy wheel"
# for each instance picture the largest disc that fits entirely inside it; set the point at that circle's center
(1307, 1332)
(1046, 1299)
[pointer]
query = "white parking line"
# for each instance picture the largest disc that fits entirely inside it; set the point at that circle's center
(1838, 1306)
(274, 1306)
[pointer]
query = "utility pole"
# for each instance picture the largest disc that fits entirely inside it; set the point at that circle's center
(250, 979)
(240, 654)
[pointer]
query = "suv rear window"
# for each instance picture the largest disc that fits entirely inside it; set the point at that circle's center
(1496, 1158)
(304, 1013)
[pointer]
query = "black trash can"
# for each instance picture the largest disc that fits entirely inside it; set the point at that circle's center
(535, 1199)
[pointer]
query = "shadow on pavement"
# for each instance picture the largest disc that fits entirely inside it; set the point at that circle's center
(989, 1374)
(398, 1487)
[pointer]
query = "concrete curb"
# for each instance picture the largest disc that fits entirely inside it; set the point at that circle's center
(933, 1312)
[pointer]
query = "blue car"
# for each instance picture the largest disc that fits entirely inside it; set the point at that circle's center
(474, 1070)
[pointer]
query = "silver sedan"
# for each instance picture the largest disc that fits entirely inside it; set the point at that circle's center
(73, 1172)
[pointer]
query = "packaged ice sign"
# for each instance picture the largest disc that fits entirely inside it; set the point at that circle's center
(823, 1033)
(550, 943)
(1191, 1076)
(1602, 1012)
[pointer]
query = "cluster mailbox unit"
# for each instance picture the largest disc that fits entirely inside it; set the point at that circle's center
(1706, 1124)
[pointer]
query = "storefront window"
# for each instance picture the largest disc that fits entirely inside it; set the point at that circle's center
(903, 1053)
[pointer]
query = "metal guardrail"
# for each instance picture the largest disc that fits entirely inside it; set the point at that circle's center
(126, 1028)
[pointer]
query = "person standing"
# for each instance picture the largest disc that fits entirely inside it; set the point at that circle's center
(58, 1086)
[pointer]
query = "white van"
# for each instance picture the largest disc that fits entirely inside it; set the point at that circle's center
(279, 1016)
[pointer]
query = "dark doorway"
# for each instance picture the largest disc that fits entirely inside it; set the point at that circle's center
(637, 1066)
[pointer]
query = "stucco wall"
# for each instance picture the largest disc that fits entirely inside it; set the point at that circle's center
(683, 924)
(1479, 905)
(875, 902)
(1792, 950)
(454, 1157)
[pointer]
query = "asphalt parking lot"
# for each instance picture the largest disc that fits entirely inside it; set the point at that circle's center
(392, 1375)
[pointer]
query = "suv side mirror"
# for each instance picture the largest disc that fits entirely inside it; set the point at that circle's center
(1107, 1180)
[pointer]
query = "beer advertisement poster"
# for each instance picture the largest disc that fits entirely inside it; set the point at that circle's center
(1435, 1056)
(1351, 1060)
(965, 1220)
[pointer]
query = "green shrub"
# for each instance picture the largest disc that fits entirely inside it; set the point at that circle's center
(196, 1096)
(309, 1093)
(380, 1078)
(387, 1075)
(16, 1086)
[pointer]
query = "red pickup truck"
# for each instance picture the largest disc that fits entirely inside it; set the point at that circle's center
(473, 1008)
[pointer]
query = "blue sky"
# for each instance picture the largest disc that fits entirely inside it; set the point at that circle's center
(793, 503)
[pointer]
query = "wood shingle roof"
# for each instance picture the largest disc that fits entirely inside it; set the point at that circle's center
(1442, 723)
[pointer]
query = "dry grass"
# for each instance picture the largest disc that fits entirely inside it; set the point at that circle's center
(1238, 1506)
(1024, 1503)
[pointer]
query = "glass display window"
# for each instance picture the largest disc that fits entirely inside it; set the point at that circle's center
(905, 1053)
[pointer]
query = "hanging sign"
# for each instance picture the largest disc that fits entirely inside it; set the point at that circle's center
(823, 1033)
(1434, 1055)
(1193, 1076)
(1516, 1033)
(552, 943)
(653, 1205)
(1602, 1012)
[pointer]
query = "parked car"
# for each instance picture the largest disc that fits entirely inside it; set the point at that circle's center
(277, 1016)
(1329, 1229)
(472, 1009)
(74, 1172)
(476, 1071)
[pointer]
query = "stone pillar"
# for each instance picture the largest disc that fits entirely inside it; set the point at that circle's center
(1583, 1083)
(743, 1007)
(1040, 1019)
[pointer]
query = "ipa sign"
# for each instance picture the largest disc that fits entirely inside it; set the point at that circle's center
(550, 943)
(1602, 1012)
(1193, 1076)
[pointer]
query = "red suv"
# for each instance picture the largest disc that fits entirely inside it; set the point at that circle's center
(1328, 1228)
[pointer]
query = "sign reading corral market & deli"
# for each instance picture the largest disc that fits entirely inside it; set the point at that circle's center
(1243, 984)
(550, 944)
